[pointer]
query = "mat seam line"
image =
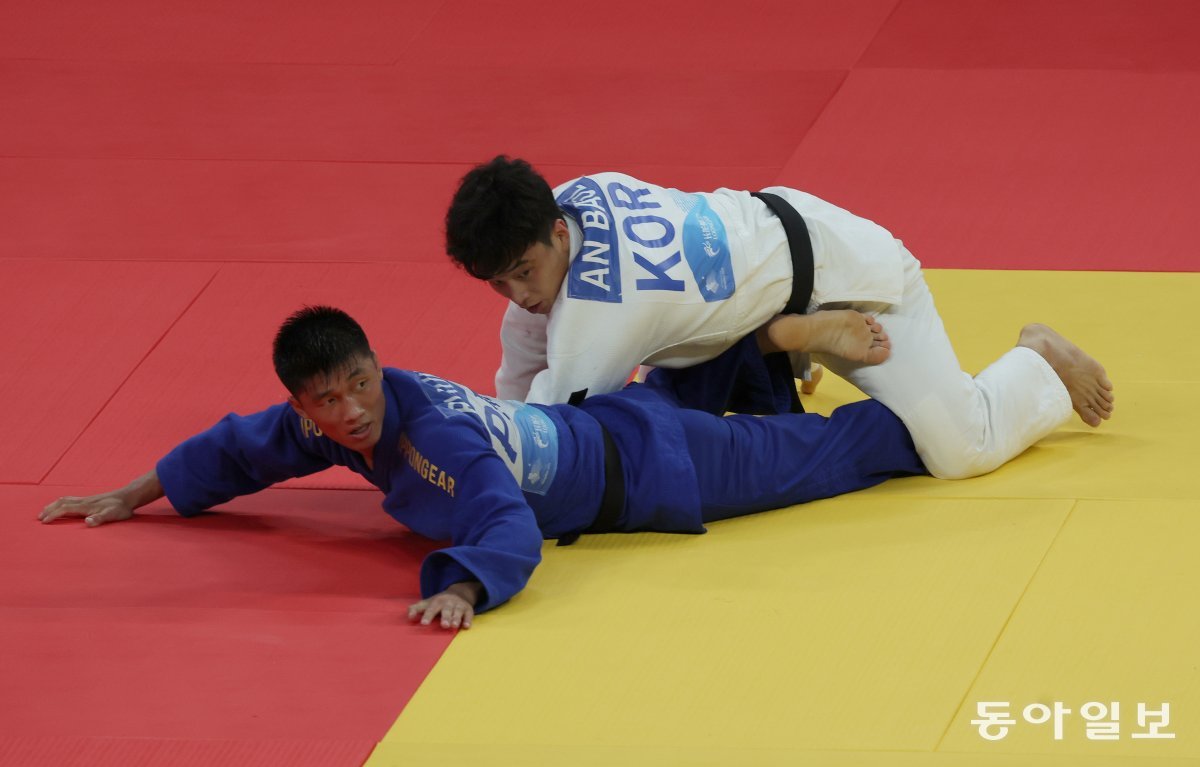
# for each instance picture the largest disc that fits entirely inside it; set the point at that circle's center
(1007, 621)
(181, 158)
(302, 160)
(395, 62)
(198, 62)
(130, 375)
(816, 119)
(880, 28)
(307, 489)
(222, 261)
(397, 261)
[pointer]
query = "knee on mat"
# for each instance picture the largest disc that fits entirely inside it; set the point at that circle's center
(958, 463)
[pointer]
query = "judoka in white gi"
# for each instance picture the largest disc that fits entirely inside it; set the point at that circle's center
(607, 272)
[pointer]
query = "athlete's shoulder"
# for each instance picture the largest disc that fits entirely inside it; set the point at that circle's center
(414, 389)
(401, 383)
(397, 374)
(603, 180)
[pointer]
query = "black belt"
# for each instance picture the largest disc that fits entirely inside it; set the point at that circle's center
(800, 245)
(612, 503)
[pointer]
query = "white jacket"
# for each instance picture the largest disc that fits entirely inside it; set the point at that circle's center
(662, 277)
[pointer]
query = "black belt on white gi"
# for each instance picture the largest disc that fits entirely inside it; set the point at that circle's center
(612, 503)
(800, 245)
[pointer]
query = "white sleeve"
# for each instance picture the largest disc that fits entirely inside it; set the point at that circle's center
(565, 376)
(523, 356)
(593, 347)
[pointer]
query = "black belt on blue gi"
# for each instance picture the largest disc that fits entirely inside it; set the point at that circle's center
(800, 246)
(612, 503)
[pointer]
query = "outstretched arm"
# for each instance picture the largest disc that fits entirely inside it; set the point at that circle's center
(238, 456)
(495, 543)
(112, 506)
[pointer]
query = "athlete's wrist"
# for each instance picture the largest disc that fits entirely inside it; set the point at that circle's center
(469, 591)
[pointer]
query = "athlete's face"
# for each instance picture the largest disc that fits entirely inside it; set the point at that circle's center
(533, 282)
(347, 406)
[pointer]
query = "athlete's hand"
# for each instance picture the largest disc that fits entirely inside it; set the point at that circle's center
(455, 605)
(95, 509)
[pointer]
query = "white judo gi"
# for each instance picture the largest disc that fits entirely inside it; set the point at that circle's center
(672, 279)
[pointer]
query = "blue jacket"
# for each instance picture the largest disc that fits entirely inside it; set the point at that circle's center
(492, 477)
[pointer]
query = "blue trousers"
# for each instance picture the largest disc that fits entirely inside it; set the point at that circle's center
(747, 464)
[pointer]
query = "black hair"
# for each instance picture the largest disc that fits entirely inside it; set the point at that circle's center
(501, 209)
(316, 341)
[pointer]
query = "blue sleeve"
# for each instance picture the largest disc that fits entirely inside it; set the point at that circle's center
(238, 456)
(495, 538)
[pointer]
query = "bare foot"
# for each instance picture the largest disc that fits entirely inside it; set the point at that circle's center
(1091, 391)
(841, 333)
(815, 372)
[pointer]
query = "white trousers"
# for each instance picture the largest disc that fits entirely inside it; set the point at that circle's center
(962, 426)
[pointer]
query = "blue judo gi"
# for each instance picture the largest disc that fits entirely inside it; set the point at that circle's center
(495, 477)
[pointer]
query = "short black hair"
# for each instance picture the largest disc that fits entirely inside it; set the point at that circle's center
(316, 341)
(500, 210)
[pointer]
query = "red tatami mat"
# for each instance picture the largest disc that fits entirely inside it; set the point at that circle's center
(73, 332)
(280, 618)
(652, 37)
(69, 751)
(250, 211)
(1016, 170)
(167, 210)
(688, 178)
(260, 31)
(178, 176)
(387, 114)
(217, 359)
(1161, 35)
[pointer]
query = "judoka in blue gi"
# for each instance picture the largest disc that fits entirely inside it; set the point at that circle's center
(495, 477)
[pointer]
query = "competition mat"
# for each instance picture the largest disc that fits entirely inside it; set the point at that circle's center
(868, 627)
(175, 177)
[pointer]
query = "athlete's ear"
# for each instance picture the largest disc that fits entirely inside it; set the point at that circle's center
(561, 233)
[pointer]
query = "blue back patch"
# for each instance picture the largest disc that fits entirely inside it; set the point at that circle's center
(706, 248)
(595, 274)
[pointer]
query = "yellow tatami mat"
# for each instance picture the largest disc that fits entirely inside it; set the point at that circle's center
(866, 629)
(1110, 616)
